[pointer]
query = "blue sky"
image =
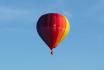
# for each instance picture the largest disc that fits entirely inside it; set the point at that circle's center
(22, 49)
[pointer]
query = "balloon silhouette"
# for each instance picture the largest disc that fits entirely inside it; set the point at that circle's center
(53, 28)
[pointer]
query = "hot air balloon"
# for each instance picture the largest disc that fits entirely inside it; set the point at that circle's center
(53, 28)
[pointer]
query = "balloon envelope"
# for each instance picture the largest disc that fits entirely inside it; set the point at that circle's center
(52, 28)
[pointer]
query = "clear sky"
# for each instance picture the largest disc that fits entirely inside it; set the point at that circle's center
(22, 49)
